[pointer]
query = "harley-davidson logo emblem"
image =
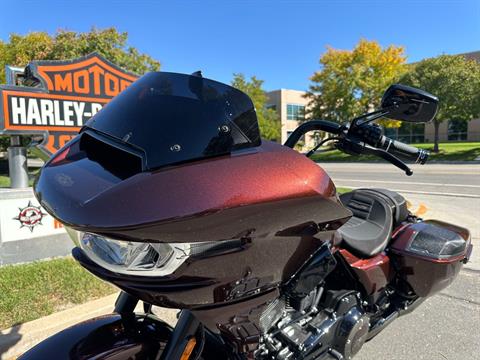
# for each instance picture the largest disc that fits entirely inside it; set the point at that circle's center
(68, 93)
(30, 216)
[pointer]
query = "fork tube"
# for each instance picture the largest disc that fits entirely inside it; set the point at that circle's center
(125, 303)
(187, 328)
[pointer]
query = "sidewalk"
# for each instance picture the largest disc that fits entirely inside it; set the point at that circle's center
(20, 338)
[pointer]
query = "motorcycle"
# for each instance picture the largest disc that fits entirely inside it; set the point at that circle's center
(171, 195)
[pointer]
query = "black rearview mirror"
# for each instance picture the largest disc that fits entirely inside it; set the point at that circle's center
(409, 104)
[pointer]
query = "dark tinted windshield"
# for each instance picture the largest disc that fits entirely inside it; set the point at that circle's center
(176, 117)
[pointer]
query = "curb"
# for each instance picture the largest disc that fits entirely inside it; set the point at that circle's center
(20, 338)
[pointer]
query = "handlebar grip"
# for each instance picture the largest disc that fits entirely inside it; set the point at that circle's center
(398, 148)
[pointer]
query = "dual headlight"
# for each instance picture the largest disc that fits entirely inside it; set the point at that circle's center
(147, 259)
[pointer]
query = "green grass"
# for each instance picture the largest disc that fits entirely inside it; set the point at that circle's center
(30, 291)
(343, 190)
(5, 180)
(463, 151)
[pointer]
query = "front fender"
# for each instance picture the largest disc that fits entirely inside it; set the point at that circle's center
(109, 337)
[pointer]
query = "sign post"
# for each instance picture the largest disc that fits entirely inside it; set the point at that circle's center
(17, 163)
(17, 154)
(55, 101)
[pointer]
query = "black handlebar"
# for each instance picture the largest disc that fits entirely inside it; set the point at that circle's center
(398, 148)
(321, 125)
(363, 139)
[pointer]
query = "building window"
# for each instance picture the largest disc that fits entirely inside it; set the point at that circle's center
(457, 130)
(411, 133)
(392, 133)
(295, 112)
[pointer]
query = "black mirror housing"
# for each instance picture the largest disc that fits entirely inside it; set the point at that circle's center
(409, 104)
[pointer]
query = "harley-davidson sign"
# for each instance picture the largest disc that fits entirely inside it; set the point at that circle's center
(65, 96)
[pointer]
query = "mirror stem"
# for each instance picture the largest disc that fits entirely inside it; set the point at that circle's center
(369, 117)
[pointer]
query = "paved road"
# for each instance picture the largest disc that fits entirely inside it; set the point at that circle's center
(451, 179)
(447, 325)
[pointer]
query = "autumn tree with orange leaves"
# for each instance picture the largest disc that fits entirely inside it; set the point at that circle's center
(352, 82)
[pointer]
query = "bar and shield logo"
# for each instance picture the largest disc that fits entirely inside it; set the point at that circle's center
(65, 96)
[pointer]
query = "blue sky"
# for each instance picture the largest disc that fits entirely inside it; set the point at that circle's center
(279, 41)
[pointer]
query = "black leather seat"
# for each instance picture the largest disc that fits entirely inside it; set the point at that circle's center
(375, 212)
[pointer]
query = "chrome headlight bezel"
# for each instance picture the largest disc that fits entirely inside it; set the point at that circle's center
(134, 258)
(147, 258)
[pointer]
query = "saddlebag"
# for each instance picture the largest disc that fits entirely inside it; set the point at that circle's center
(429, 254)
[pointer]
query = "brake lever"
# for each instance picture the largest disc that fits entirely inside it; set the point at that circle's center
(356, 147)
(389, 157)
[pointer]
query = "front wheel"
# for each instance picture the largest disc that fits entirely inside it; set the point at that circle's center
(112, 336)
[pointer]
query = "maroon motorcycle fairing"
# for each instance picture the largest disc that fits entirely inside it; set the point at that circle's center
(282, 205)
(87, 197)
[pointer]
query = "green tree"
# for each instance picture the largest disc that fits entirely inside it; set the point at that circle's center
(21, 49)
(455, 81)
(268, 119)
(351, 83)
